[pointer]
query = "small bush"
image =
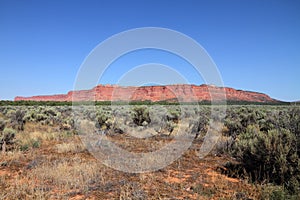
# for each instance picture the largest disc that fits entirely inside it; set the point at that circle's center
(273, 192)
(173, 115)
(269, 156)
(2, 124)
(7, 139)
(17, 120)
(140, 115)
(103, 120)
(199, 125)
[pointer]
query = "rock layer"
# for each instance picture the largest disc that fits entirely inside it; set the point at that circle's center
(180, 92)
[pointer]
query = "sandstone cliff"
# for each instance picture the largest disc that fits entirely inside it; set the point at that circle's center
(180, 92)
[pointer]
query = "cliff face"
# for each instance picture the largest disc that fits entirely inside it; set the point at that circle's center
(182, 93)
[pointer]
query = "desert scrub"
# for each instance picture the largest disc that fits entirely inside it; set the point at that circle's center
(237, 120)
(2, 124)
(174, 115)
(45, 115)
(269, 156)
(274, 192)
(199, 125)
(67, 124)
(16, 118)
(30, 115)
(50, 111)
(7, 139)
(104, 120)
(141, 115)
(9, 112)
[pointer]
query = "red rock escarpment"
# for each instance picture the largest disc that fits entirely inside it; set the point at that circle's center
(182, 93)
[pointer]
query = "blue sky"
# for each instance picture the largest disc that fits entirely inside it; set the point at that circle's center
(254, 43)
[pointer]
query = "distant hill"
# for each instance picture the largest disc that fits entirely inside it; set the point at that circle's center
(179, 92)
(296, 102)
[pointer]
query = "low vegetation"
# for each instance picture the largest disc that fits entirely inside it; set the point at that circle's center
(42, 154)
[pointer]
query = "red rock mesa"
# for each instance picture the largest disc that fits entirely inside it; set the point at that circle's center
(180, 92)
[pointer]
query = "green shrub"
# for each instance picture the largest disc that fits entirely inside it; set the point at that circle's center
(40, 117)
(273, 192)
(29, 116)
(103, 120)
(35, 143)
(199, 125)
(50, 111)
(173, 115)
(170, 126)
(17, 120)
(10, 112)
(269, 156)
(2, 124)
(239, 118)
(31, 143)
(140, 115)
(7, 139)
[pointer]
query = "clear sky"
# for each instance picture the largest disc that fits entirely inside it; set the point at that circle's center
(254, 43)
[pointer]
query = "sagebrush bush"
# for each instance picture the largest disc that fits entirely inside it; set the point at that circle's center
(140, 115)
(18, 120)
(269, 156)
(7, 138)
(173, 115)
(103, 120)
(199, 125)
(2, 124)
(239, 118)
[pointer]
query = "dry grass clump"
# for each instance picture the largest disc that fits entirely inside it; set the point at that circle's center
(28, 140)
(60, 179)
(35, 134)
(68, 175)
(70, 147)
(6, 158)
(132, 191)
(19, 189)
